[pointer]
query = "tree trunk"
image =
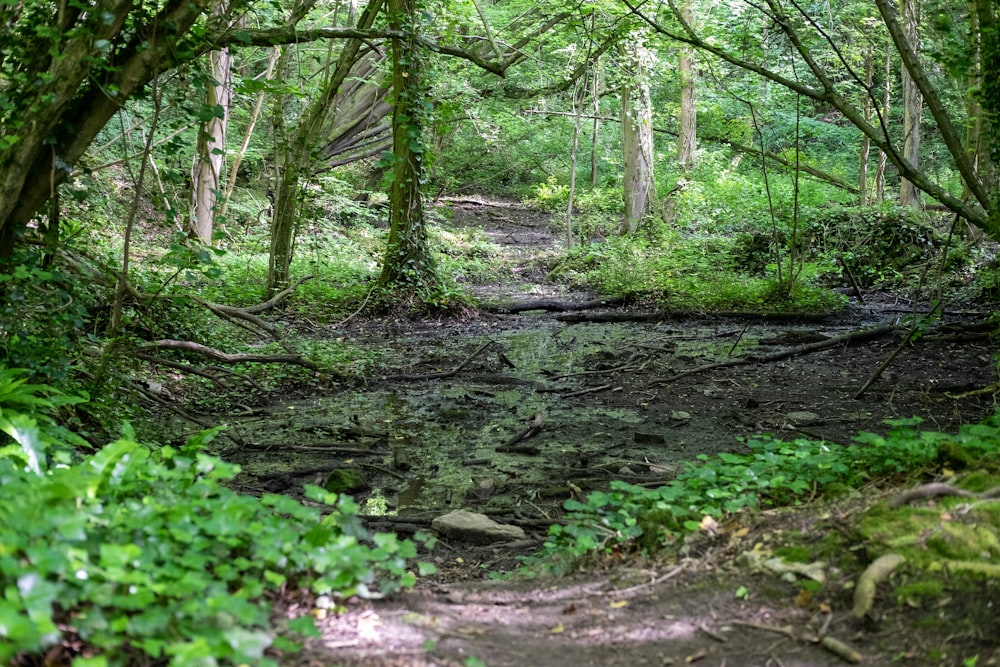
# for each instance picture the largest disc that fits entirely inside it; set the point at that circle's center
(297, 151)
(913, 102)
(210, 156)
(408, 261)
(637, 134)
(74, 95)
(595, 130)
(687, 138)
(866, 143)
(883, 157)
(287, 169)
(979, 129)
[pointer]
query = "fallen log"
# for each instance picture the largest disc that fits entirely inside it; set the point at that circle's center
(552, 305)
(850, 337)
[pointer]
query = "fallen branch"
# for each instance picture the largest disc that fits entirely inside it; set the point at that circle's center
(445, 374)
(928, 491)
(553, 305)
(224, 358)
(864, 592)
(533, 428)
(200, 372)
(169, 405)
(850, 337)
(664, 315)
(877, 373)
(334, 449)
(591, 390)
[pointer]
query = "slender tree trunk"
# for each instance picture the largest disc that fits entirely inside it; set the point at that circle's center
(287, 169)
(912, 105)
(979, 130)
(595, 130)
(210, 156)
(408, 261)
(687, 138)
(637, 135)
(883, 157)
(254, 117)
(866, 142)
(297, 149)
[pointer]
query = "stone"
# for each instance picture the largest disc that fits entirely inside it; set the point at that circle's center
(802, 418)
(475, 528)
(345, 480)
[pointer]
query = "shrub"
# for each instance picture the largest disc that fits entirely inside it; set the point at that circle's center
(145, 554)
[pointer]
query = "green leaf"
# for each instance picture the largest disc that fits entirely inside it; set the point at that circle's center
(305, 626)
(24, 430)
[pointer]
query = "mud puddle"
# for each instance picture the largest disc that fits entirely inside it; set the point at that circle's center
(601, 410)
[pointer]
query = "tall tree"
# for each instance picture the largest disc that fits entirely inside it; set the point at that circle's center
(210, 153)
(297, 151)
(816, 50)
(637, 133)
(913, 103)
(687, 136)
(63, 78)
(408, 261)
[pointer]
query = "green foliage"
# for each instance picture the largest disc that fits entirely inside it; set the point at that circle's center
(771, 473)
(688, 273)
(43, 315)
(27, 414)
(551, 195)
(142, 552)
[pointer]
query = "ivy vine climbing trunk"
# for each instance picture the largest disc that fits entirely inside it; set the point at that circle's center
(637, 133)
(408, 263)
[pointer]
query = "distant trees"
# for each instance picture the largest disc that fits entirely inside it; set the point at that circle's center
(823, 73)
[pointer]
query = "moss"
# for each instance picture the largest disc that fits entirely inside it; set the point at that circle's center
(920, 590)
(953, 455)
(979, 481)
(345, 480)
(796, 554)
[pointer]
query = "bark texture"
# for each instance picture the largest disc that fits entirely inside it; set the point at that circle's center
(210, 157)
(408, 262)
(637, 134)
(687, 138)
(913, 103)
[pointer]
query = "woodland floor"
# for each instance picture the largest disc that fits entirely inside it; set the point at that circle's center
(611, 408)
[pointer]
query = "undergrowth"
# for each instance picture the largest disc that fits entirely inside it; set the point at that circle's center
(771, 473)
(139, 556)
(691, 274)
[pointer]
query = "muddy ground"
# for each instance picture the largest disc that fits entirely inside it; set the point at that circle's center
(435, 430)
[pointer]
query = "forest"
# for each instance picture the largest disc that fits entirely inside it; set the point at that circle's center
(492, 332)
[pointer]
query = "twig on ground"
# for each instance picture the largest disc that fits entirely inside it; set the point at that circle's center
(591, 390)
(529, 431)
(445, 374)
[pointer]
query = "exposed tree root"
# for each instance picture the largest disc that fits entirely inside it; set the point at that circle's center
(928, 491)
(222, 357)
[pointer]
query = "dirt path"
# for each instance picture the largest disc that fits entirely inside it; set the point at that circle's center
(453, 392)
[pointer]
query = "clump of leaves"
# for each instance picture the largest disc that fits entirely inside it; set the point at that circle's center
(43, 313)
(771, 473)
(139, 552)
